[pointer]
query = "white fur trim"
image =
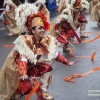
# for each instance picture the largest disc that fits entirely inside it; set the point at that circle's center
(67, 10)
(23, 49)
(64, 16)
(68, 17)
(52, 48)
(85, 4)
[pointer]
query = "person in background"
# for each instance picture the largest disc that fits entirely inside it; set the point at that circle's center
(9, 15)
(62, 29)
(60, 8)
(42, 7)
(95, 14)
(79, 20)
(92, 4)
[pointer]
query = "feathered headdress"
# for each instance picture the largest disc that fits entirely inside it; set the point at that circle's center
(9, 2)
(25, 13)
(66, 14)
(37, 20)
(85, 4)
(40, 1)
(22, 12)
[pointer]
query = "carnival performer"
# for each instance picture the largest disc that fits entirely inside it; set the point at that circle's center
(60, 8)
(31, 57)
(92, 4)
(65, 3)
(9, 15)
(95, 14)
(63, 28)
(42, 7)
(79, 20)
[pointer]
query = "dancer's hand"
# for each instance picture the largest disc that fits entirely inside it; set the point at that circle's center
(24, 76)
(72, 63)
(57, 32)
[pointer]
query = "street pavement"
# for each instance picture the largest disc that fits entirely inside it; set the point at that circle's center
(60, 89)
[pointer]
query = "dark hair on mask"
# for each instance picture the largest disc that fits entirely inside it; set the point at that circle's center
(30, 30)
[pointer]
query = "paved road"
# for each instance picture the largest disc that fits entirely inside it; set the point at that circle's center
(60, 89)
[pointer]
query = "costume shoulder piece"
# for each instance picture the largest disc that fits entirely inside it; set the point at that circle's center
(23, 46)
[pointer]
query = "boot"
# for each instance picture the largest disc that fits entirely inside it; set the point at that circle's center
(47, 96)
(72, 38)
(65, 48)
(10, 34)
(98, 24)
(83, 35)
(46, 80)
(16, 96)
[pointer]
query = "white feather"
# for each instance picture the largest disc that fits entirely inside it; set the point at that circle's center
(40, 1)
(9, 2)
(22, 12)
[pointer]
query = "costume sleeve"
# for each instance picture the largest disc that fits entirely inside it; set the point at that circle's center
(61, 59)
(56, 26)
(82, 18)
(22, 65)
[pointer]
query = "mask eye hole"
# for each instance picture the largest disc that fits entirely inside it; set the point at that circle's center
(65, 13)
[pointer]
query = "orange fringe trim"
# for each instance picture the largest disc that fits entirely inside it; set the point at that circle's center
(70, 79)
(92, 57)
(33, 91)
(92, 32)
(8, 45)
